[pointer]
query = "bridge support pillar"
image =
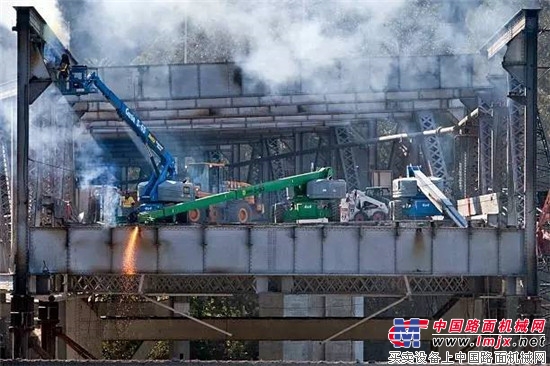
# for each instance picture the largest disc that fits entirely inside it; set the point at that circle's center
(83, 326)
(279, 304)
(179, 350)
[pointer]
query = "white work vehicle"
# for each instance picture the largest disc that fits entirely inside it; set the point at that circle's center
(368, 205)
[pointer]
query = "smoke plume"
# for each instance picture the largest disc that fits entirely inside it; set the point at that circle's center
(278, 42)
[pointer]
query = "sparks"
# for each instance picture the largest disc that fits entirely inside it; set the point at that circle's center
(129, 264)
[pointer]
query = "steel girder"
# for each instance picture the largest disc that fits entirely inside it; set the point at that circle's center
(485, 120)
(346, 135)
(500, 145)
(466, 157)
(254, 170)
(517, 149)
(5, 206)
(432, 146)
(273, 147)
(154, 284)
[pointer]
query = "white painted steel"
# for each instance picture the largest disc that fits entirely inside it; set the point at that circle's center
(283, 250)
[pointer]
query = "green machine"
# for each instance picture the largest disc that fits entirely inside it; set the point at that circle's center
(314, 195)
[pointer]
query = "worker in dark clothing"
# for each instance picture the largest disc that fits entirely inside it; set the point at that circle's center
(64, 67)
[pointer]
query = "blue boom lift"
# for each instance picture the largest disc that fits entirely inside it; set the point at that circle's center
(418, 196)
(164, 199)
(161, 188)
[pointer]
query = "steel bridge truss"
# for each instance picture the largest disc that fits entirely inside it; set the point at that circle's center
(157, 284)
(347, 135)
(517, 148)
(432, 147)
(5, 206)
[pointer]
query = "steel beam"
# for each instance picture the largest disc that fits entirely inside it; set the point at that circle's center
(531, 68)
(33, 76)
(346, 135)
(485, 155)
(5, 207)
(432, 146)
(249, 329)
(22, 311)
(342, 250)
(365, 142)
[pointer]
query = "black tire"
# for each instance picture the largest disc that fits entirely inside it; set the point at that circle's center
(378, 216)
(360, 217)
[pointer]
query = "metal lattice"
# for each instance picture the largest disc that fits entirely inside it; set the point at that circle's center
(466, 150)
(345, 135)
(432, 146)
(500, 145)
(5, 206)
(201, 284)
(485, 120)
(161, 284)
(543, 158)
(381, 285)
(156, 284)
(517, 151)
(277, 168)
(254, 170)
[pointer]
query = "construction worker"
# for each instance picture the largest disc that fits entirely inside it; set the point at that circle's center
(64, 67)
(128, 201)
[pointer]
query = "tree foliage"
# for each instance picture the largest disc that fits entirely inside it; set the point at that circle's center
(235, 306)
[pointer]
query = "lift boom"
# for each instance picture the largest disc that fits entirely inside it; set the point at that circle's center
(80, 83)
(298, 182)
(436, 197)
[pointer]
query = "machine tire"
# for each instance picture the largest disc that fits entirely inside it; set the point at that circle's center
(378, 216)
(360, 217)
(243, 214)
(194, 216)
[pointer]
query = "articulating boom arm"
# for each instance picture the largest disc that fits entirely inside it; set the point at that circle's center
(438, 198)
(79, 83)
(297, 181)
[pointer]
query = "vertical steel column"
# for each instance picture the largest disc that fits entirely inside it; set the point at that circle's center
(485, 120)
(500, 145)
(345, 135)
(372, 132)
(5, 206)
(22, 304)
(517, 148)
(531, 42)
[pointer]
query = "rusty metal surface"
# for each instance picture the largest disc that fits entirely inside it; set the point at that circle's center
(282, 250)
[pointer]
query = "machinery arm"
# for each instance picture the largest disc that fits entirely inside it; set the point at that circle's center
(438, 198)
(165, 169)
(297, 181)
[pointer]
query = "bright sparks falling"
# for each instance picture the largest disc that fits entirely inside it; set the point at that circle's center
(129, 264)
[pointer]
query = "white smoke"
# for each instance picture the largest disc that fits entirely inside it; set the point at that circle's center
(48, 9)
(280, 41)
